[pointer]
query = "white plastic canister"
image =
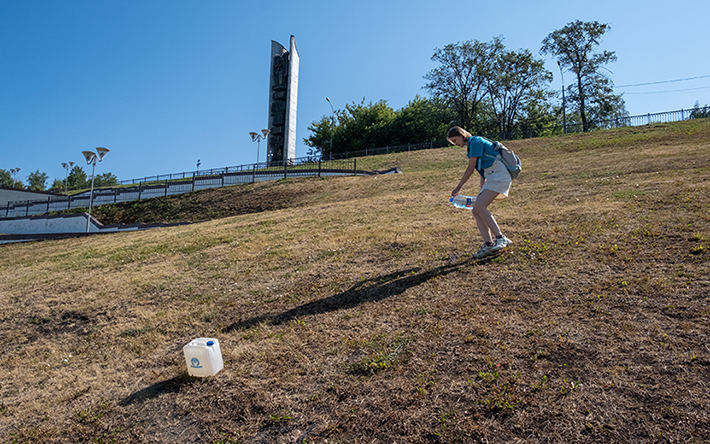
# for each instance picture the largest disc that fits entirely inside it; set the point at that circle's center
(203, 357)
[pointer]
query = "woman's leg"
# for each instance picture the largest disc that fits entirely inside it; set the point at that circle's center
(484, 219)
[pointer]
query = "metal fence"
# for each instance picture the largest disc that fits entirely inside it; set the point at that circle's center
(157, 186)
(392, 149)
(645, 119)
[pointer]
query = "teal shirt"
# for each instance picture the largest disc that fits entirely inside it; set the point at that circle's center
(477, 146)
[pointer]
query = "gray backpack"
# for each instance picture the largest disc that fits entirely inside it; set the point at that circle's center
(509, 159)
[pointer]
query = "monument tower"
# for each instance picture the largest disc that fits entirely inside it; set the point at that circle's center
(283, 96)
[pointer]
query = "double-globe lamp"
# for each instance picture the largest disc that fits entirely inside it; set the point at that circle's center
(91, 159)
(256, 137)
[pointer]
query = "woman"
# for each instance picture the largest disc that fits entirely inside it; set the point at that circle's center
(495, 185)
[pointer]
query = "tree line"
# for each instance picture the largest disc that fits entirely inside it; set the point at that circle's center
(37, 181)
(489, 90)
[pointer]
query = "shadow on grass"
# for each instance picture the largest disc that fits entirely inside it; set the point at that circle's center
(173, 385)
(369, 290)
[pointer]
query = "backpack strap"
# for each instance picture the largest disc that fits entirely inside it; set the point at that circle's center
(497, 148)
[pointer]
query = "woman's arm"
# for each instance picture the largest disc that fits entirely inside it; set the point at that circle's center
(466, 175)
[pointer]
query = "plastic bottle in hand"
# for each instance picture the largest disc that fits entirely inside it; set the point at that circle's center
(462, 201)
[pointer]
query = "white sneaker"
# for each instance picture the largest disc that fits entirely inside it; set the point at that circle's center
(484, 251)
(501, 243)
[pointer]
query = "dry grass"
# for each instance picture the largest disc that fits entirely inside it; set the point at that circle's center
(351, 310)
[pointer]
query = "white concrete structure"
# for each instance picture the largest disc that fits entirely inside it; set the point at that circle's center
(292, 102)
(18, 229)
(15, 195)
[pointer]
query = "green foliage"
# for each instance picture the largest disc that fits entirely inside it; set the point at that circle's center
(479, 86)
(360, 127)
(77, 179)
(6, 179)
(364, 126)
(93, 413)
(57, 185)
(105, 180)
(280, 417)
(516, 81)
(488, 90)
(421, 120)
(461, 77)
(37, 181)
(498, 393)
(537, 120)
(700, 113)
(384, 355)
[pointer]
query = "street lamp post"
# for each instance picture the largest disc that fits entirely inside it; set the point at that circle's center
(564, 108)
(67, 167)
(256, 137)
(91, 159)
(14, 172)
(332, 125)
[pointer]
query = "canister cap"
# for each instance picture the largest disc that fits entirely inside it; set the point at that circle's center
(210, 343)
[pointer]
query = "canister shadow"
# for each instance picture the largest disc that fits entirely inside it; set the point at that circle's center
(172, 385)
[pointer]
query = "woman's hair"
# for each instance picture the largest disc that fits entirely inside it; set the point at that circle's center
(457, 131)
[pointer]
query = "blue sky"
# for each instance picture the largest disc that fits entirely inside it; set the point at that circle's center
(163, 83)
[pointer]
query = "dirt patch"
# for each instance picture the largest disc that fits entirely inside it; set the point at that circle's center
(207, 204)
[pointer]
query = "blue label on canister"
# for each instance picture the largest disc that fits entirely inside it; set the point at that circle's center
(195, 363)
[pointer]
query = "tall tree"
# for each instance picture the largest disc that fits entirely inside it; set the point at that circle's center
(6, 179)
(575, 46)
(77, 179)
(321, 139)
(364, 126)
(460, 79)
(37, 181)
(105, 180)
(57, 185)
(515, 80)
(422, 120)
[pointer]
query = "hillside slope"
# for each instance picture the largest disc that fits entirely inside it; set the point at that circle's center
(350, 309)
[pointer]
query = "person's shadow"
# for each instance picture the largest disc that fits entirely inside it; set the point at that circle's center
(368, 290)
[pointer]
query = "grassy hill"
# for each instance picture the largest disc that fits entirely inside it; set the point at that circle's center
(350, 309)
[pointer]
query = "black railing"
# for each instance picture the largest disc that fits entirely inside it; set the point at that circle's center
(391, 149)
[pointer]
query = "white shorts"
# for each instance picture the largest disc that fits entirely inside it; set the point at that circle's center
(497, 179)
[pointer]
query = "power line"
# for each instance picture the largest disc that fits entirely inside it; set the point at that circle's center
(664, 81)
(702, 88)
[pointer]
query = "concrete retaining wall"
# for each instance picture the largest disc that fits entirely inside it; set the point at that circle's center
(18, 229)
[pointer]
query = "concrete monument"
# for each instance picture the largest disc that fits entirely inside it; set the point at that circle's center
(283, 97)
